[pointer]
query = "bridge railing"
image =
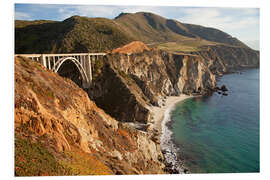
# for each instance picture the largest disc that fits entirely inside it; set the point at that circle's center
(54, 61)
(47, 59)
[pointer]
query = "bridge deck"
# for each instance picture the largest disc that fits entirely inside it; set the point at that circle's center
(81, 60)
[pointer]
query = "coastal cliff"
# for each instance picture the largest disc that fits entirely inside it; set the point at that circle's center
(228, 59)
(129, 83)
(60, 131)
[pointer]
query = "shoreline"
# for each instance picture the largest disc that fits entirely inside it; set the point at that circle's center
(159, 112)
(161, 117)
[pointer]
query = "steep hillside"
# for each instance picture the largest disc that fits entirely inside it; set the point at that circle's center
(149, 28)
(59, 131)
(75, 34)
(82, 34)
(215, 35)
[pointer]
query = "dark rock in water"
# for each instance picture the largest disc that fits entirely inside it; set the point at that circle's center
(219, 92)
(186, 171)
(164, 151)
(224, 94)
(217, 88)
(223, 88)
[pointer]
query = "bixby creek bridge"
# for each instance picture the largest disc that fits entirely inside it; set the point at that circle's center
(83, 62)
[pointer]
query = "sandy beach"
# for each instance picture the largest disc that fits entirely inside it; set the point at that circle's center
(158, 112)
(161, 133)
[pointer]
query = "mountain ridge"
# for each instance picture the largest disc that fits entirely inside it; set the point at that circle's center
(84, 34)
(61, 129)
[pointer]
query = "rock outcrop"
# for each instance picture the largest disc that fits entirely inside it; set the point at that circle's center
(229, 59)
(54, 117)
(55, 112)
(128, 84)
(58, 114)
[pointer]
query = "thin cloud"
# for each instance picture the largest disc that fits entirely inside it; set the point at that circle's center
(22, 16)
(152, 9)
(90, 11)
(104, 11)
(227, 20)
(98, 11)
(242, 23)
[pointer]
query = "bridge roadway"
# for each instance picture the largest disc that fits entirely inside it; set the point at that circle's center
(83, 62)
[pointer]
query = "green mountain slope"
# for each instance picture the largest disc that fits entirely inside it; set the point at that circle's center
(75, 34)
(152, 28)
(148, 27)
(83, 34)
(212, 34)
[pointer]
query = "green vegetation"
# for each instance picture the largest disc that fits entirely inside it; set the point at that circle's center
(83, 34)
(33, 159)
(75, 34)
(173, 46)
(24, 62)
(126, 77)
(82, 163)
(41, 90)
(154, 29)
(150, 28)
(21, 23)
(184, 46)
(97, 68)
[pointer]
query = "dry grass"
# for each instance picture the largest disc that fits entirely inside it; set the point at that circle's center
(185, 46)
(33, 159)
(82, 163)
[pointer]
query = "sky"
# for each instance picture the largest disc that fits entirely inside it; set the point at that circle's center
(242, 23)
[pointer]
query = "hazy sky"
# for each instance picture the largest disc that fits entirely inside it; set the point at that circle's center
(242, 23)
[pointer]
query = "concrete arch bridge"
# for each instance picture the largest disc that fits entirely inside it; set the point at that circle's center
(83, 62)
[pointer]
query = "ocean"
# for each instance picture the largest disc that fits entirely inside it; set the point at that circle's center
(220, 134)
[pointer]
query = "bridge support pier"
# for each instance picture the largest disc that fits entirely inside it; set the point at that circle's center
(86, 85)
(43, 60)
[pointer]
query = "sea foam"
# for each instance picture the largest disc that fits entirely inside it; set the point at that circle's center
(168, 147)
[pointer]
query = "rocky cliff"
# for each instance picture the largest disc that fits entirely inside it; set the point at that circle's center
(60, 131)
(128, 83)
(228, 59)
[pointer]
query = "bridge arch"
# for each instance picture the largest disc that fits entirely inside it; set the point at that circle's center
(58, 64)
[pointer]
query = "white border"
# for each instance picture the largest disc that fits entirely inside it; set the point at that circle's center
(7, 88)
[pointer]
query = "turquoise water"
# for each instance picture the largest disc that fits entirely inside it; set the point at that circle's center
(220, 134)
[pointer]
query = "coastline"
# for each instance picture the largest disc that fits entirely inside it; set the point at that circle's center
(161, 118)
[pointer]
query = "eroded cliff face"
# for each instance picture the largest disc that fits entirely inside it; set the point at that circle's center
(56, 113)
(129, 83)
(81, 137)
(226, 59)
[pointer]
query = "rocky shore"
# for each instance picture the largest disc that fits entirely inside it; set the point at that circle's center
(162, 134)
(120, 124)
